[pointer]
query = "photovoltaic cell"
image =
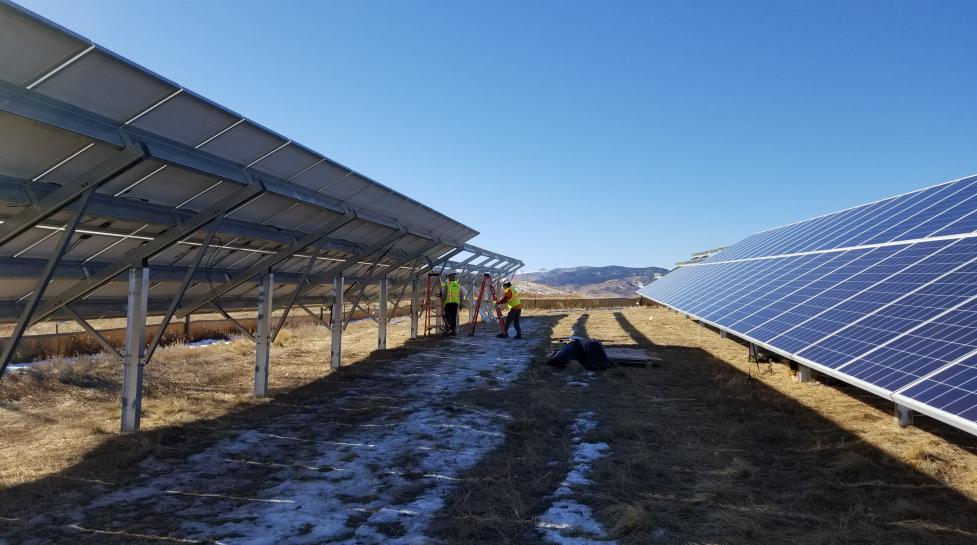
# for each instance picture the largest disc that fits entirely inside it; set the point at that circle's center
(883, 295)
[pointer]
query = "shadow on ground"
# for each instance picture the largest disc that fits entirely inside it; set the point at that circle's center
(700, 453)
(115, 463)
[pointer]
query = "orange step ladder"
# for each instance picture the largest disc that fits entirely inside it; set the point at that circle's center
(486, 280)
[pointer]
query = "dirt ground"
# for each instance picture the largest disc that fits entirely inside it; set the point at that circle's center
(705, 448)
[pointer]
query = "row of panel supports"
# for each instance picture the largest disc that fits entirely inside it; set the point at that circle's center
(805, 374)
(134, 355)
(903, 414)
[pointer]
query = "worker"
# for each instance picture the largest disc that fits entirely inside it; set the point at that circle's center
(511, 298)
(451, 295)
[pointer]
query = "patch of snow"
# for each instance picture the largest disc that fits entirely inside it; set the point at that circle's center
(583, 425)
(568, 522)
(207, 342)
(304, 478)
(71, 360)
(584, 379)
(584, 455)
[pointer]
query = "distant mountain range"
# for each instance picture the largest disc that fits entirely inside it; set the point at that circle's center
(610, 281)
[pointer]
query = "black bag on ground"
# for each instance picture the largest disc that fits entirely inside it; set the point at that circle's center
(594, 356)
(572, 350)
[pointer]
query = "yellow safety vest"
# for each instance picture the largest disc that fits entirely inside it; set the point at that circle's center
(452, 292)
(514, 300)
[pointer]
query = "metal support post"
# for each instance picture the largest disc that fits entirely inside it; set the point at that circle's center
(135, 348)
(336, 348)
(904, 416)
(382, 315)
(262, 352)
(415, 305)
(471, 301)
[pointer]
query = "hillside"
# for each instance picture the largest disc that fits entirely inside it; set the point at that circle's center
(610, 281)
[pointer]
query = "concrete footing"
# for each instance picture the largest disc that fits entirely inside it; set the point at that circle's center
(803, 373)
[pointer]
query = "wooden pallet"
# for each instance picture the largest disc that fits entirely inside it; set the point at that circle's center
(633, 357)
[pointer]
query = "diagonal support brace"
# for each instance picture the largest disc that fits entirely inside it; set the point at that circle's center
(28, 315)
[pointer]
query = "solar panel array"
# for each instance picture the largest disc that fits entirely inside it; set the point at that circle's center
(166, 164)
(882, 295)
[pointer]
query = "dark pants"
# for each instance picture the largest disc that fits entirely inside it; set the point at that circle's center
(512, 319)
(451, 316)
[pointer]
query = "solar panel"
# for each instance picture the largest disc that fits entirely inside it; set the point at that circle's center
(123, 193)
(882, 295)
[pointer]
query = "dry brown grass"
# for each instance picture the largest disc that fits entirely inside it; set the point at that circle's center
(743, 456)
(52, 415)
(705, 449)
(69, 326)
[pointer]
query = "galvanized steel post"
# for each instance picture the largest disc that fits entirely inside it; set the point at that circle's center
(135, 348)
(471, 300)
(262, 338)
(382, 315)
(336, 348)
(415, 304)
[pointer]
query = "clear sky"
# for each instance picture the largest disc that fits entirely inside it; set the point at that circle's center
(587, 133)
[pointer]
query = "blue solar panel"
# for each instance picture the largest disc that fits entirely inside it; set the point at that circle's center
(945, 209)
(781, 298)
(883, 295)
(952, 390)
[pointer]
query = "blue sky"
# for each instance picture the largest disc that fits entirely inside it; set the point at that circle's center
(587, 133)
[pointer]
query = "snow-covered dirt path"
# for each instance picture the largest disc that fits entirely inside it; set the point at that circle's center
(370, 466)
(567, 521)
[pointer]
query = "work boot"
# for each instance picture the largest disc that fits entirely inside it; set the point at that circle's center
(519, 336)
(503, 335)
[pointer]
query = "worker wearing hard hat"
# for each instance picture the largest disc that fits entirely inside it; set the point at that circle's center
(511, 299)
(451, 295)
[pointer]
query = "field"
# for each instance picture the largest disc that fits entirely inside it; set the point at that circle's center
(470, 441)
